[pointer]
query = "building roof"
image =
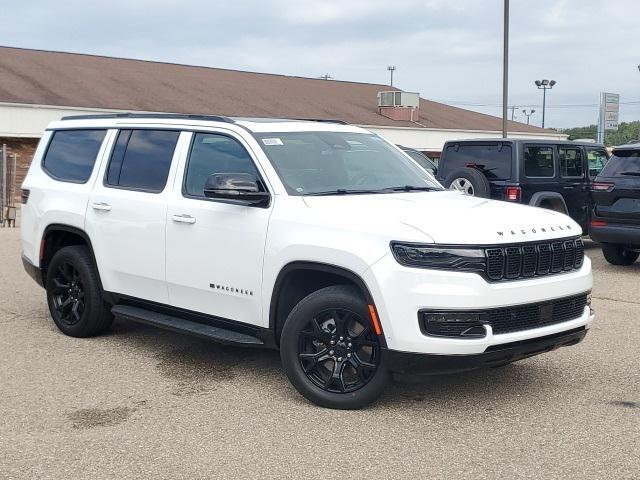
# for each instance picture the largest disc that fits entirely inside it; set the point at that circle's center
(78, 80)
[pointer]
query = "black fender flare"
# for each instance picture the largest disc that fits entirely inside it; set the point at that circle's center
(317, 267)
(540, 197)
(55, 227)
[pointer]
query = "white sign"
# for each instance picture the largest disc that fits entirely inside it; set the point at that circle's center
(609, 110)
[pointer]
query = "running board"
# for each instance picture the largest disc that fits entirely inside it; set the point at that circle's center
(180, 325)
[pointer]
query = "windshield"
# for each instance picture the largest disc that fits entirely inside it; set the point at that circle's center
(340, 163)
(623, 162)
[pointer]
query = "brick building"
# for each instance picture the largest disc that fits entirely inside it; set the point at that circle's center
(37, 87)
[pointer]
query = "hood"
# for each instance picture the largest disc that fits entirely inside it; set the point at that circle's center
(448, 217)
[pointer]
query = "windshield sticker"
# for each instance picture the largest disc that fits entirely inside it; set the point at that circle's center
(272, 141)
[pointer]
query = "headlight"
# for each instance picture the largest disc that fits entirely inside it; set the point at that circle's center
(440, 257)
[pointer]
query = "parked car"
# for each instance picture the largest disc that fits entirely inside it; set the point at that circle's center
(553, 175)
(319, 239)
(423, 160)
(615, 222)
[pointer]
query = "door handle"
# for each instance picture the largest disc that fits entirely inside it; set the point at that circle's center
(101, 206)
(183, 218)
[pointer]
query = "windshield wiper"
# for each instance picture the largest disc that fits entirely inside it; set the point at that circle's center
(345, 191)
(632, 174)
(341, 191)
(411, 188)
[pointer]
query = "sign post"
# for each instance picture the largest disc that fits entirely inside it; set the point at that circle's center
(609, 114)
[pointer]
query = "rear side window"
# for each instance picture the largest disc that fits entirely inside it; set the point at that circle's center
(141, 159)
(212, 153)
(71, 154)
(538, 161)
(624, 163)
(571, 164)
(493, 159)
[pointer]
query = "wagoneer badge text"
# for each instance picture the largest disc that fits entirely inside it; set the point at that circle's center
(525, 231)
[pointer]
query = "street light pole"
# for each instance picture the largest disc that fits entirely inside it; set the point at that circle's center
(528, 114)
(391, 68)
(544, 85)
(505, 69)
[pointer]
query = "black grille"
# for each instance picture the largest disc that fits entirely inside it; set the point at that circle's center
(534, 259)
(525, 317)
(503, 320)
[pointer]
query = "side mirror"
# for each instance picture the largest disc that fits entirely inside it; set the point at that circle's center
(238, 188)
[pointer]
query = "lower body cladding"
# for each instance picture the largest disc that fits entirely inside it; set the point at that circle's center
(441, 321)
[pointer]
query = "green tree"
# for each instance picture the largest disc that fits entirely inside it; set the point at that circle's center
(626, 132)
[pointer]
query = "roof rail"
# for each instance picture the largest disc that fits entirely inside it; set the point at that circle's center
(179, 116)
(321, 120)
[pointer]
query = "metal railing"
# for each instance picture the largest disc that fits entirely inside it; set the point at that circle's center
(8, 188)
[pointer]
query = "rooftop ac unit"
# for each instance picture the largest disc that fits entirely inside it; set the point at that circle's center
(397, 98)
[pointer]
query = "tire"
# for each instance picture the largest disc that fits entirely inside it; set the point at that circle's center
(310, 359)
(74, 294)
(470, 181)
(618, 255)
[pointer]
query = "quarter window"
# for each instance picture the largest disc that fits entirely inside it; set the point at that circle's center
(597, 160)
(538, 162)
(571, 164)
(141, 159)
(213, 153)
(72, 154)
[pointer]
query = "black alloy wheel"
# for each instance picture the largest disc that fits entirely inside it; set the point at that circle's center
(67, 294)
(74, 293)
(330, 350)
(338, 351)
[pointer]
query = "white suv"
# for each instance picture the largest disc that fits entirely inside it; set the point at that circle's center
(317, 238)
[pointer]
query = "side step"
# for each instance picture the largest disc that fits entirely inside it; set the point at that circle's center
(180, 325)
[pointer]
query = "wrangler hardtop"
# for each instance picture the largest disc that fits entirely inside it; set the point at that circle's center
(552, 174)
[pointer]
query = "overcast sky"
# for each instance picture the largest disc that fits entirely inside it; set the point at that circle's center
(449, 51)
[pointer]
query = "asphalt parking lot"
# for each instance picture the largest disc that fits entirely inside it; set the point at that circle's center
(145, 403)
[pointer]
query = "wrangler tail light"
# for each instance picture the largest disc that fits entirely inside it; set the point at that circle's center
(513, 194)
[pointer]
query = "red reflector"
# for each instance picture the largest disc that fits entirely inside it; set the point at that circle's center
(598, 223)
(602, 186)
(512, 194)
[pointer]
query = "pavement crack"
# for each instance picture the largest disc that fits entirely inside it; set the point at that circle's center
(611, 299)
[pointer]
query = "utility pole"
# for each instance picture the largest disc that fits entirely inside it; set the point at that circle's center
(513, 112)
(326, 76)
(505, 69)
(391, 68)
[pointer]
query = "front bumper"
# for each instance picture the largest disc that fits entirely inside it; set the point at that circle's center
(33, 271)
(617, 234)
(401, 292)
(425, 364)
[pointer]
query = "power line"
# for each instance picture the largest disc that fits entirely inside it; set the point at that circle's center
(567, 105)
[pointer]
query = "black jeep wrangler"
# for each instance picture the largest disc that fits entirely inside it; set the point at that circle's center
(549, 174)
(615, 221)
